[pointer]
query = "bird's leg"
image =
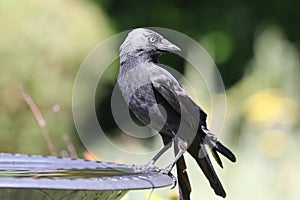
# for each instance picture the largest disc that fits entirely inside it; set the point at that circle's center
(158, 155)
(150, 164)
(182, 146)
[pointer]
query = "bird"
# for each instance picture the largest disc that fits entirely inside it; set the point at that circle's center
(157, 99)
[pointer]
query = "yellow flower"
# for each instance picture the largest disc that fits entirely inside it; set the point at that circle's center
(271, 106)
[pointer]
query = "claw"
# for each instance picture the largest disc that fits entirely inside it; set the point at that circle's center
(149, 167)
(167, 171)
(174, 180)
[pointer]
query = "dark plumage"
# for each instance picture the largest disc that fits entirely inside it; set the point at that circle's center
(156, 98)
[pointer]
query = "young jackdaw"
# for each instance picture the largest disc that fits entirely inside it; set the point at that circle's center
(157, 100)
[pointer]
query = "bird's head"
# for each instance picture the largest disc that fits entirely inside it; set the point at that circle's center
(142, 41)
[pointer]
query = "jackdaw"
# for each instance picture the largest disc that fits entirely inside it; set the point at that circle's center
(158, 100)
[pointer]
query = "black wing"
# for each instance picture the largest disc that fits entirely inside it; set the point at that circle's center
(177, 98)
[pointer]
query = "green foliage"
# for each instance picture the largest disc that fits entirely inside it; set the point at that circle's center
(42, 45)
(231, 25)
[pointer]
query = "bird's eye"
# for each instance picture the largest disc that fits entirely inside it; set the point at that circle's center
(152, 39)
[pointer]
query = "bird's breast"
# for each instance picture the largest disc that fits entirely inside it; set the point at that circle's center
(134, 82)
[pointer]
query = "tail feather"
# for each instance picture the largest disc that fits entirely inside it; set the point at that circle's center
(200, 154)
(217, 157)
(219, 147)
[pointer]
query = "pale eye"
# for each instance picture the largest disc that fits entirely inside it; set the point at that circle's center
(152, 39)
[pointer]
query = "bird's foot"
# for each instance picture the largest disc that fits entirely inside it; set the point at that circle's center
(167, 171)
(174, 180)
(149, 167)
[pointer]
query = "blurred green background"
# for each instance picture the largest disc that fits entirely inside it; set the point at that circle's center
(255, 45)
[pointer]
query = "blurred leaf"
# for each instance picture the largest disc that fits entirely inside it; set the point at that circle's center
(42, 45)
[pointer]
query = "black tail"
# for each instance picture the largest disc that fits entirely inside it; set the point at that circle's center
(199, 153)
(224, 151)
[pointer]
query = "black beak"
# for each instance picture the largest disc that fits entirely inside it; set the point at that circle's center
(165, 45)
